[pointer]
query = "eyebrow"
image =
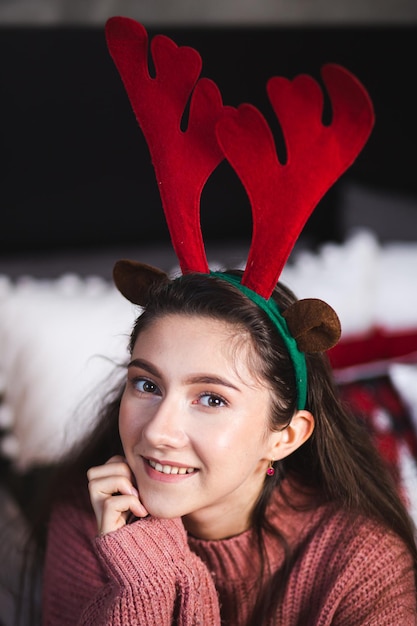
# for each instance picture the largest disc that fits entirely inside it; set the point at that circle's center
(195, 379)
(210, 380)
(144, 365)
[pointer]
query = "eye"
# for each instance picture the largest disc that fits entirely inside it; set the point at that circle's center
(144, 385)
(212, 400)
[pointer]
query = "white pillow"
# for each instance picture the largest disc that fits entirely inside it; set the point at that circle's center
(59, 340)
(396, 303)
(343, 275)
(368, 284)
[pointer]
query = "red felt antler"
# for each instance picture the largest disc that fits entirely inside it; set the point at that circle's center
(283, 196)
(183, 160)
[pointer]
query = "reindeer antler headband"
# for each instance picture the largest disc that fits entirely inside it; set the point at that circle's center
(282, 196)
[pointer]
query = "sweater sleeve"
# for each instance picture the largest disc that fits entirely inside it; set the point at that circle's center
(154, 579)
(142, 574)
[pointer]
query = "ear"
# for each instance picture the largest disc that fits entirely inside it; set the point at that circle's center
(286, 441)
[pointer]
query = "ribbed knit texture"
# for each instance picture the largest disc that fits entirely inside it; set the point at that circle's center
(348, 572)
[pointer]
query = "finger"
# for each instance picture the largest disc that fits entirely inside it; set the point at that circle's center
(108, 483)
(110, 468)
(104, 486)
(122, 465)
(116, 511)
(117, 458)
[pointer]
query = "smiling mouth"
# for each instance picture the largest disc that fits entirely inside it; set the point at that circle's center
(171, 469)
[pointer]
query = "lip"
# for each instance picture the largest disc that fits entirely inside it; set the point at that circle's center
(154, 474)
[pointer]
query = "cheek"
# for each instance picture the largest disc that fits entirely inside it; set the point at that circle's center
(239, 438)
(129, 425)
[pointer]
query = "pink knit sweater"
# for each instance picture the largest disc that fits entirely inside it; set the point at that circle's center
(349, 572)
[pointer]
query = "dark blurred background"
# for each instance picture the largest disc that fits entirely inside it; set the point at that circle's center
(75, 170)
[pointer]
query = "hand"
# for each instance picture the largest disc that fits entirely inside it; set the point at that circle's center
(113, 495)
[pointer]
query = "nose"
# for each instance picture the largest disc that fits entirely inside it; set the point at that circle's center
(166, 426)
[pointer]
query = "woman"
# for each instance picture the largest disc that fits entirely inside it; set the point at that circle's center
(221, 502)
(226, 482)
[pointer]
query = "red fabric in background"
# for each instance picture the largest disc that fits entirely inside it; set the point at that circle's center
(372, 396)
(379, 345)
(376, 402)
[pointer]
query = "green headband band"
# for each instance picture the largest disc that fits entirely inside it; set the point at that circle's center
(271, 309)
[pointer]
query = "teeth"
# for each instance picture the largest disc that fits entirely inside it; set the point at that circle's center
(169, 469)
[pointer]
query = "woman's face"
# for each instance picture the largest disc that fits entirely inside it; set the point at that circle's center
(194, 424)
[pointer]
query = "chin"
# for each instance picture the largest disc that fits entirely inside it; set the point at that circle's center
(162, 509)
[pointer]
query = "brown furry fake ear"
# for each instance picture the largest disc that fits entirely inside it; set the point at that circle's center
(134, 279)
(314, 325)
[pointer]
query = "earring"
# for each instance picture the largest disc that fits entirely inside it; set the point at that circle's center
(271, 470)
